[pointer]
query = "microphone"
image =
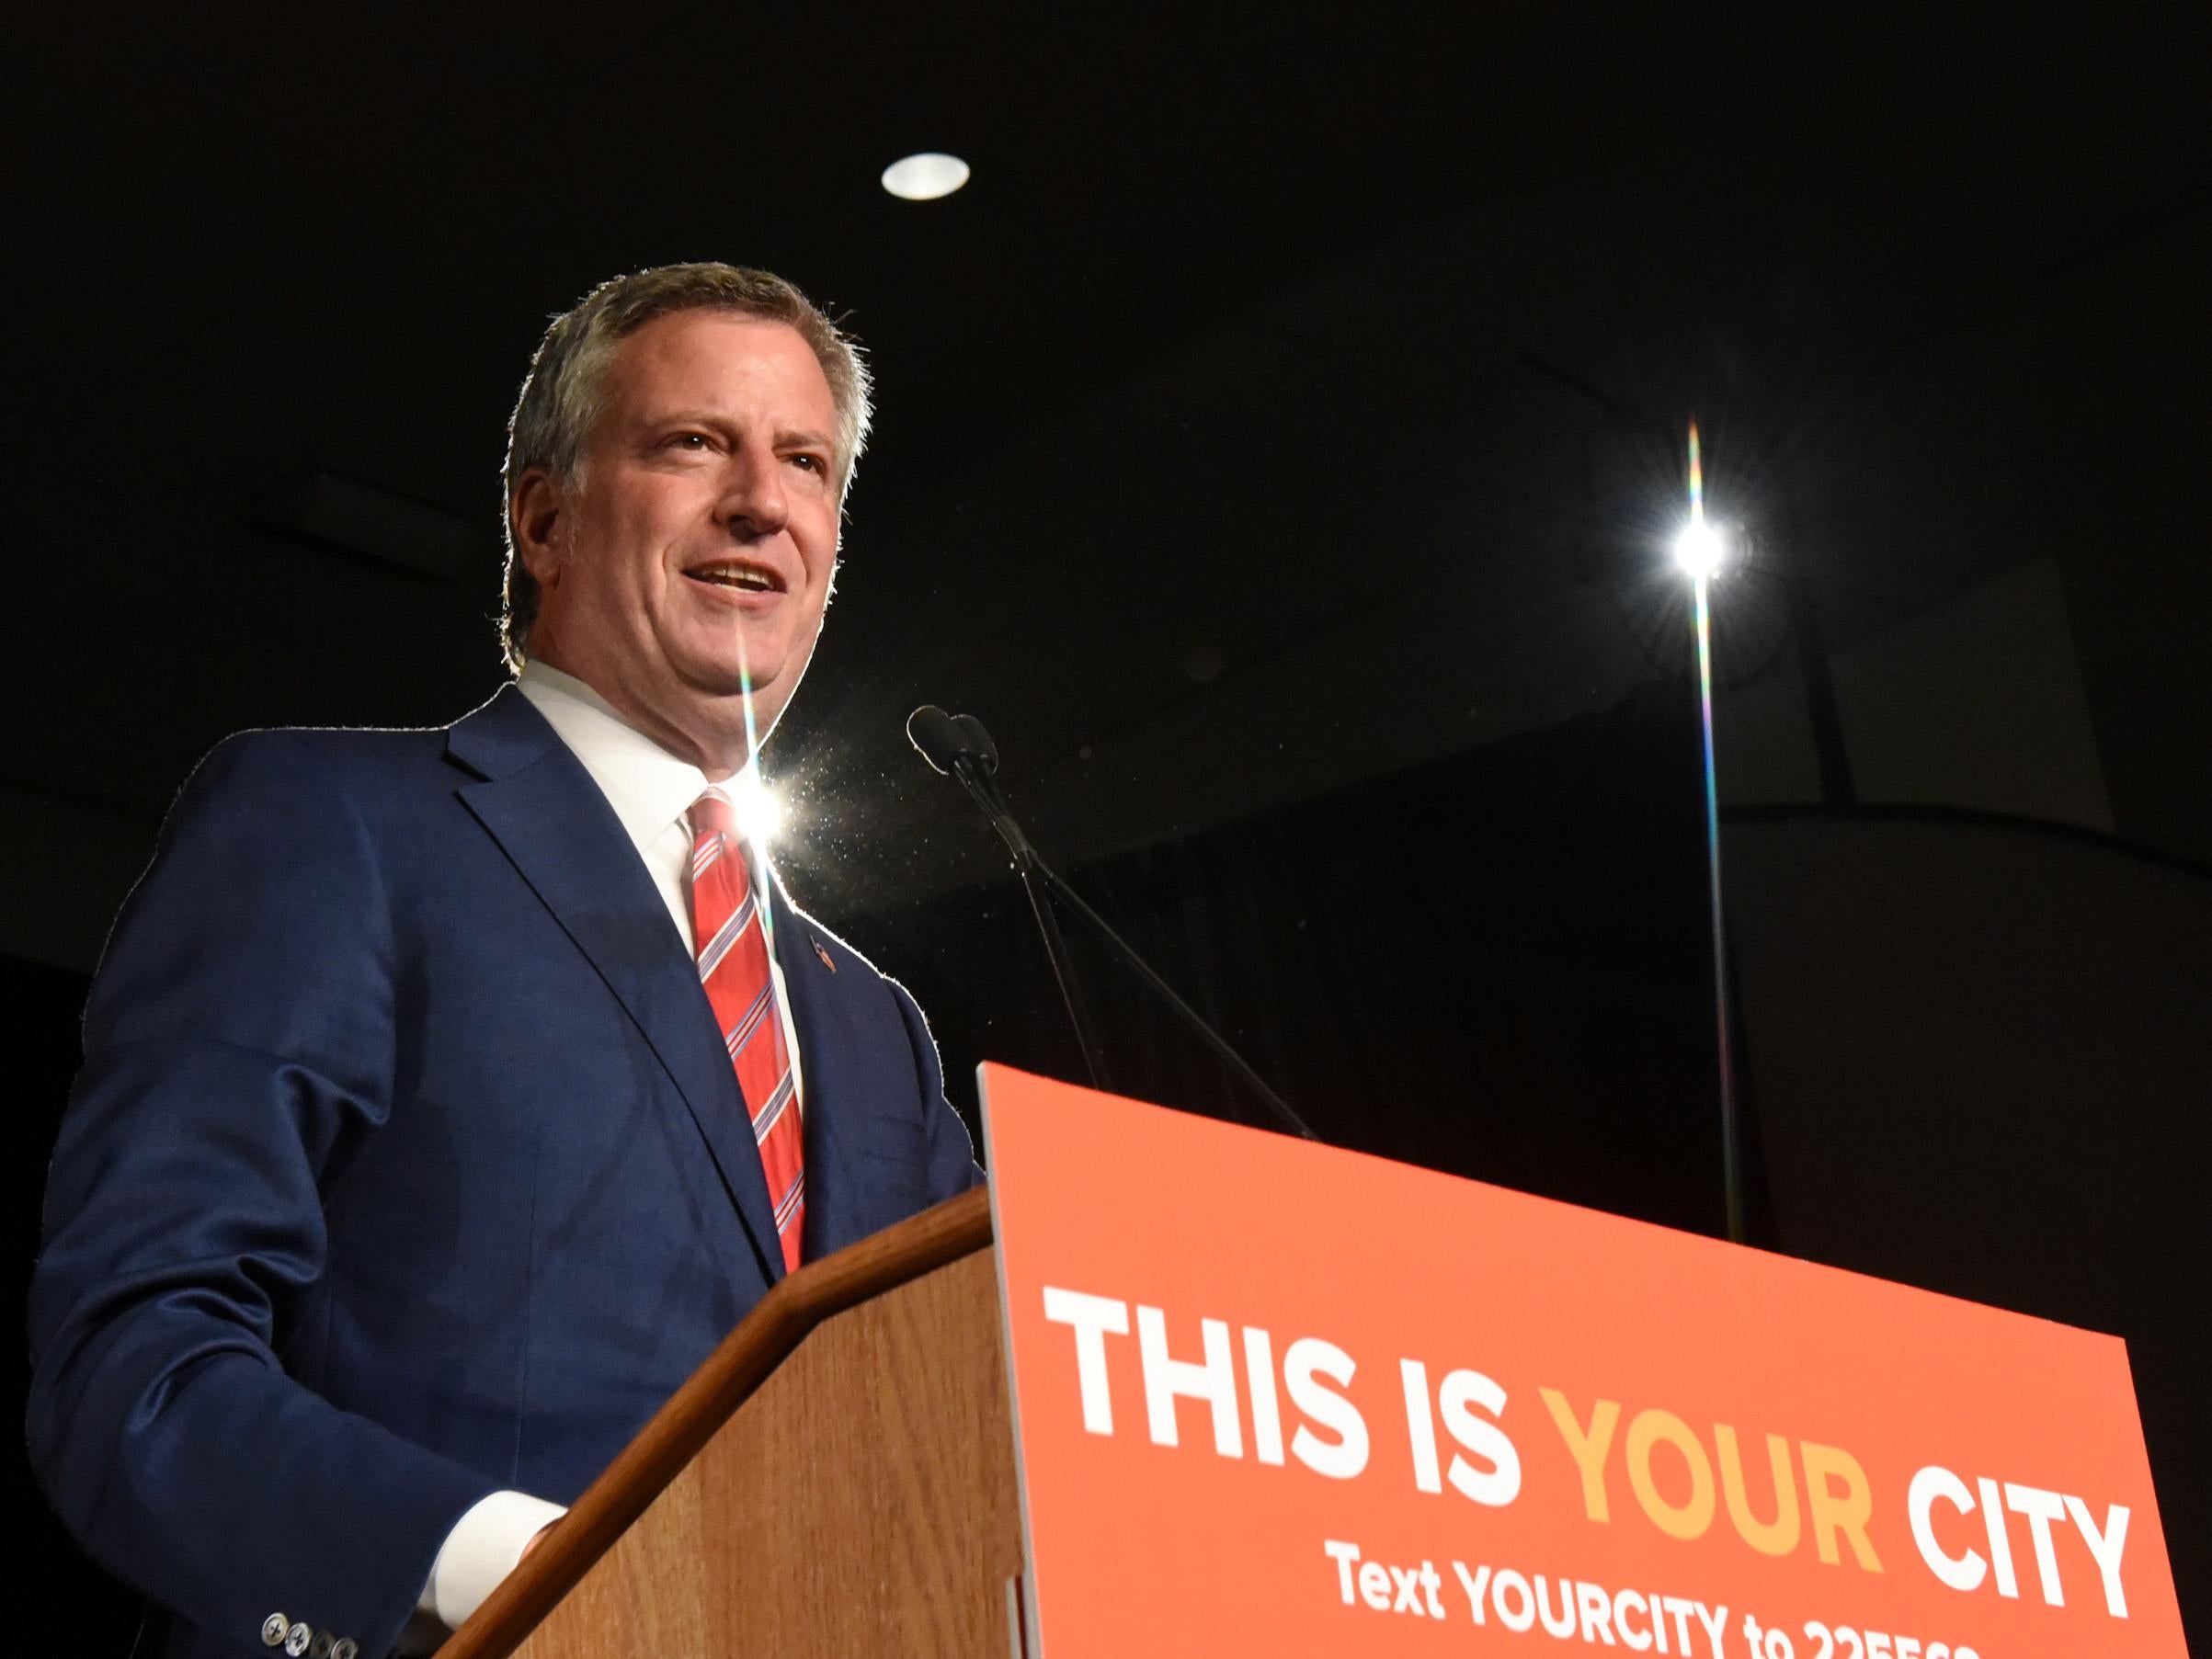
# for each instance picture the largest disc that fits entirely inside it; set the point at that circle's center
(959, 747)
(940, 738)
(980, 746)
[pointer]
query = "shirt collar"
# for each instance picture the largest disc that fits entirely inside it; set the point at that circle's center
(649, 787)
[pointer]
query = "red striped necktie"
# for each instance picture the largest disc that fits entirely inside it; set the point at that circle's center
(732, 948)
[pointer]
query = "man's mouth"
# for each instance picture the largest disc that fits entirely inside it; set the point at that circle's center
(737, 573)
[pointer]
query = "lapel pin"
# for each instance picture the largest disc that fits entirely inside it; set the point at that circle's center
(821, 951)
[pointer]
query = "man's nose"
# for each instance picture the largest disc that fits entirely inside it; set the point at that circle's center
(753, 503)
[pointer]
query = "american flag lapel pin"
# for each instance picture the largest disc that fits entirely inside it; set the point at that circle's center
(823, 952)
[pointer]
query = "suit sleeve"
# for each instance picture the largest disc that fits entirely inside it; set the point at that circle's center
(239, 1043)
(952, 1168)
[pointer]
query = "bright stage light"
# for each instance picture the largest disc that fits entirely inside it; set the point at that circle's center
(1699, 549)
(925, 177)
(759, 812)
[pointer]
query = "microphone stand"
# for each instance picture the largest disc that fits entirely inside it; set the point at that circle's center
(985, 793)
(1036, 874)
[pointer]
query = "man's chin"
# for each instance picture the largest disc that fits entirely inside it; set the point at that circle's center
(711, 669)
(721, 689)
(714, 676)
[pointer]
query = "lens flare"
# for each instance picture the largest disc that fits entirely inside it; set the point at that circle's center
(1697, 479)
(745, 690)
(759, 809)
(1697, 549)
(759, 812)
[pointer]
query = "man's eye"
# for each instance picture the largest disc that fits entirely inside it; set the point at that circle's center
(812, 463)
(689, 440)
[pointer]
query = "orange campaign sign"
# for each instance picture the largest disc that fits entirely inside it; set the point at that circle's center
(1276, 1398)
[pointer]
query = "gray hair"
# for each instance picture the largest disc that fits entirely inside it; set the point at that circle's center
(564, 391)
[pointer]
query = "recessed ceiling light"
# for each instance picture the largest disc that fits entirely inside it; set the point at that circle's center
(926, 177)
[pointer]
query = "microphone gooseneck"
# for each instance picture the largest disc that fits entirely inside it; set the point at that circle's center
(962, 749)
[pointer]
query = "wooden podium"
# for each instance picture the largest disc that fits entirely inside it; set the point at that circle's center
(836, 1478)
(1411, 1360)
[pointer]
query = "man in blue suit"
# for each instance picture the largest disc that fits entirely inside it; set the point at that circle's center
(409, 1171)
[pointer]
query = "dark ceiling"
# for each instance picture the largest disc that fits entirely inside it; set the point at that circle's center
(1287, 401)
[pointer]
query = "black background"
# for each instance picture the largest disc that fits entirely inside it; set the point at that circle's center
(1278, 441)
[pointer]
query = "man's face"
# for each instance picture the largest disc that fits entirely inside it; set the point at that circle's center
(697, 547)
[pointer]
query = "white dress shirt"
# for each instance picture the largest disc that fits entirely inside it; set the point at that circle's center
(651, 792)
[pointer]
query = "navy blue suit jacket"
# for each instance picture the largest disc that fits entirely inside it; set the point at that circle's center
(407, 1165)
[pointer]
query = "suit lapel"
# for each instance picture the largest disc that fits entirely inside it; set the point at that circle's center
(536, 800)
(827, 1044)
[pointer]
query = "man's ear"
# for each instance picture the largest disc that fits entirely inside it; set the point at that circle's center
(534, 513)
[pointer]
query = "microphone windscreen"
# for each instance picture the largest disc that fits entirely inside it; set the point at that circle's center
(937, 735)
(979, 742)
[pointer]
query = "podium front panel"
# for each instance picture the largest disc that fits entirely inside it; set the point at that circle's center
(1276, 1398)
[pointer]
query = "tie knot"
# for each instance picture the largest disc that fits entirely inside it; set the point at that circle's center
(713, 814)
